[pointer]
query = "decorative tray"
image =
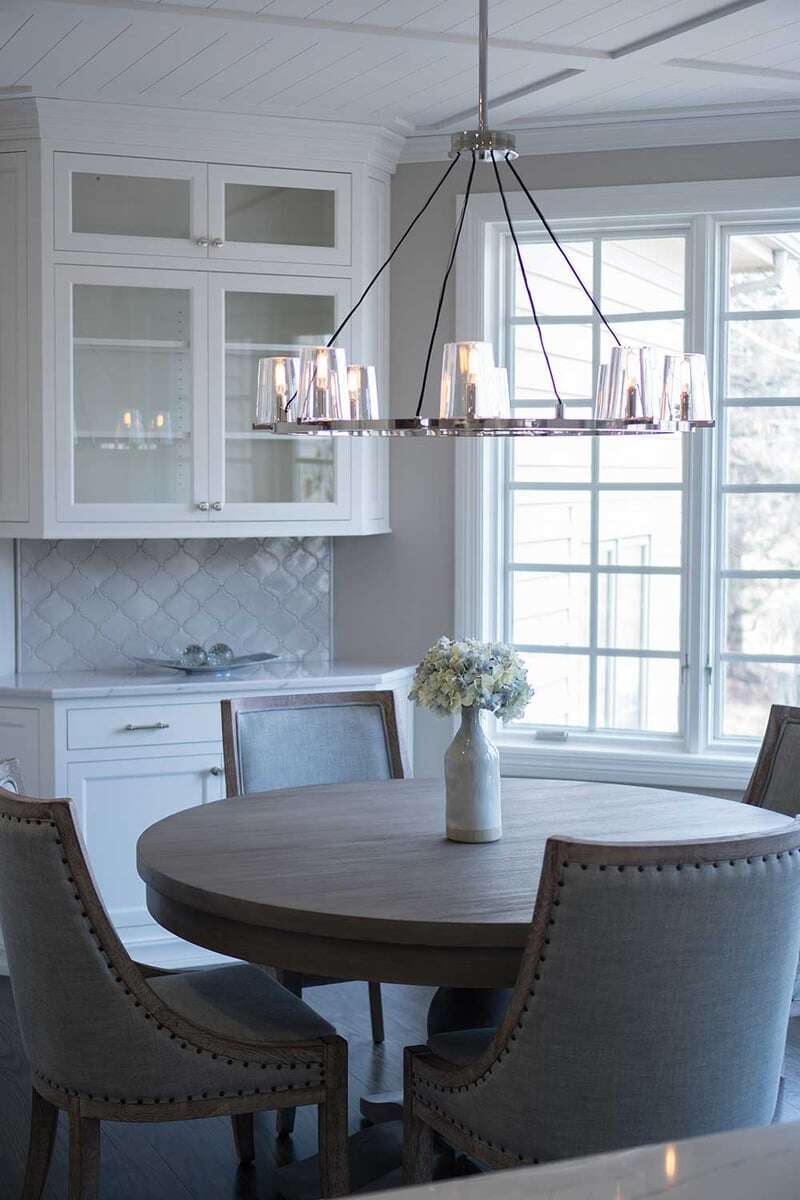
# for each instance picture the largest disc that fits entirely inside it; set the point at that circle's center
(237, 663)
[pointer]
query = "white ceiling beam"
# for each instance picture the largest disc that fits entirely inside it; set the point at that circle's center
(313, 25)
(673, 31)
(701, 64)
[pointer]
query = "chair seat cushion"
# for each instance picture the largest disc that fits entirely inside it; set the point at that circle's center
(240, 1002)
(462, 1046)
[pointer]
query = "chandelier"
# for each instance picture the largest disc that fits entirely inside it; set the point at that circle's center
(318, 393)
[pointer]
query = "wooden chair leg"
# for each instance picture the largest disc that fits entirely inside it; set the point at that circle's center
(334, 1164)
(44, 1121)
(417, 1136)
(376, 1012)
(284, 1122)
(244, 1137)
(284, 1117)
(84, 1157)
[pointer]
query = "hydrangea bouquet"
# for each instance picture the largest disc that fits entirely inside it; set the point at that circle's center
(486, 675)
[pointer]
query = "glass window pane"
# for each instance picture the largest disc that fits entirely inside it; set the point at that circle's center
(641, 459)
(552, 460)
(131, 205)
(132, 395)
(746, 519)
(285, 216)
(569, 348)
(749, 688)
(643, 274)
(764, 271)
(639, 694)
(556, 291)
(551, 527)
(762, 616)
(639, 612)
(268, 470)
(640, 529)
(561, 689)
(762, 444)
(550, 608)
(764, 358)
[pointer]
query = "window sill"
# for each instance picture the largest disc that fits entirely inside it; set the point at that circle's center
(712, 771)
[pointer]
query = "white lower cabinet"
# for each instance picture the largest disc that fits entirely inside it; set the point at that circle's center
(115, 801)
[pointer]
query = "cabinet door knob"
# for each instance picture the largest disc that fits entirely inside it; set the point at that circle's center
(203, 506)
(217, 241)
(215, 771)
(201, 241)
(217, 506)
(141, 728)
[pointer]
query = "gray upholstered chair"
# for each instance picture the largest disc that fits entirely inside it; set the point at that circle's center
(279, 741)
(107, 1039)
(775, 782)
(10, 775)
(652, 1004)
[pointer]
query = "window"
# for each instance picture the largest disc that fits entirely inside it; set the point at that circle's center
(653, 584)
(593, 566)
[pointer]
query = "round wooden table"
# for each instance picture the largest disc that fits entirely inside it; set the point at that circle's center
(358, 881)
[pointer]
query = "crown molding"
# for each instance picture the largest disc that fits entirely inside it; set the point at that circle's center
(634, 130)
(109, 127)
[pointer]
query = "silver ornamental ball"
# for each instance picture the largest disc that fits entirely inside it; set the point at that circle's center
(194, 656)
(219, 654)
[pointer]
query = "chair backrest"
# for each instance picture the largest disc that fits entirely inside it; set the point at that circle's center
(653, 997)
(775, 782)
(10, 775)
(279, 741)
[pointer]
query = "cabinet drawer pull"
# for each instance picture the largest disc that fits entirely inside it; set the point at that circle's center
(215, 770)
(202, 506)
(142, 728)
(217, 506)
(217, 241)
(201, 241)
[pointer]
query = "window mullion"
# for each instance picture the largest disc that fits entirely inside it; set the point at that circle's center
(594, 529)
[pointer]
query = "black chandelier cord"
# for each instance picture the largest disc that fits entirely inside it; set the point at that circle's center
(450, 262)
(385, 264)
(559, 247)
(513, 232)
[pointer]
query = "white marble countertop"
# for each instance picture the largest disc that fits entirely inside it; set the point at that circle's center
(751, 1164)
(277, 676)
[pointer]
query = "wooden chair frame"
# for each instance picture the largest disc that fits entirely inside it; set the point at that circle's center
(230, 712)
(421, 1122)
(86, 1112)
(780, 715)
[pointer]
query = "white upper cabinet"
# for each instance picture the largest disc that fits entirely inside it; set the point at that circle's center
(281, 216)
(106, 204)
(137, 293)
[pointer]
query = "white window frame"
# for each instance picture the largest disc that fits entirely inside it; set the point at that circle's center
(693, 759)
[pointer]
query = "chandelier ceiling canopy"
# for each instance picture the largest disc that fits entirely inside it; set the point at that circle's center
(318, 393)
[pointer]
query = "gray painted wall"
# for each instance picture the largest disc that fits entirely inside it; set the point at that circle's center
(393, 595)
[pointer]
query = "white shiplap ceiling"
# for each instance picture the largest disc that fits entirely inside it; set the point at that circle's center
(409, 65)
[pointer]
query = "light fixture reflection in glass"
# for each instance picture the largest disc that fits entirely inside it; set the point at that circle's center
(686, 395)
(469, 388)
(277, 383)
(670, 1163)
(502, 397)
(322, 391)
(161, 426)
(130, 430)
(362, 393)
(631, 384)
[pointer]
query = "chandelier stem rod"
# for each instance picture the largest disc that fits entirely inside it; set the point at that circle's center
(559, 412)
(483, 64)
(560, 248)
(451, 260)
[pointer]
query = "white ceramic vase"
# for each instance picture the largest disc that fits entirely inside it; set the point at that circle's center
(472, 783)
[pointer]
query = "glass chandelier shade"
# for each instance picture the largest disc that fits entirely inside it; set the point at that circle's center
(474, 395)
(277, 383)
(686, 395)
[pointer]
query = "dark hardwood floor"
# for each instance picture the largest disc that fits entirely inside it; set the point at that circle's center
(195, 1160)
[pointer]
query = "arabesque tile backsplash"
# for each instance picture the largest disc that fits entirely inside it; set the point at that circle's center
(101, 604)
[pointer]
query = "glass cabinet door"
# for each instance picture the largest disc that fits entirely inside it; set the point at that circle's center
(258, 476)
(131, 395)
(279, 215)
(130, 205)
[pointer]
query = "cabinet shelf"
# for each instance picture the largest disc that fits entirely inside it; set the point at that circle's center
(84, 343)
